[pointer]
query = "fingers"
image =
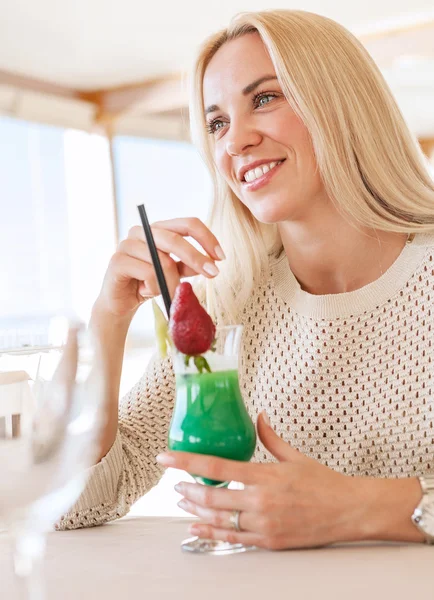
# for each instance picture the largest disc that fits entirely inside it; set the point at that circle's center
(220, 518)
(126, 267)
(259, 514)
(150, 287)
(213, 467)
(173, 243)
(217, 518)
(210, 497)
(196, 229)
(131, 277)
(184, 271)
(168, 243)
(134, 259)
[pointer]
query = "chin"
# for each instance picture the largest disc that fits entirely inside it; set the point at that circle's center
(273, 207)
(270, 215)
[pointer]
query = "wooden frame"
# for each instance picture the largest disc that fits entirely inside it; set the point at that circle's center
(427, 145)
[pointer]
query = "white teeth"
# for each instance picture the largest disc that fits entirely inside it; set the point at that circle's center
(259, 171)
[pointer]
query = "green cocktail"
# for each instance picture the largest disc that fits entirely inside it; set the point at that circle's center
(210, 418)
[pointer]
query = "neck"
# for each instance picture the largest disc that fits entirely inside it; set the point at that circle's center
(330, 256)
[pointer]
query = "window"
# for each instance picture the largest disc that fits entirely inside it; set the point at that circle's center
(56, 226)
(171, 180)
(57, 230)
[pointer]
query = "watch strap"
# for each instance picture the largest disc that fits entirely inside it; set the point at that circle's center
(423, 515)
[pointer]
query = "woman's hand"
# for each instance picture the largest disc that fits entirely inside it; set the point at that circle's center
(130, 277)
(297, 502)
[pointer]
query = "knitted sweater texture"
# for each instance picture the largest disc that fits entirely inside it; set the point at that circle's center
(345, 378)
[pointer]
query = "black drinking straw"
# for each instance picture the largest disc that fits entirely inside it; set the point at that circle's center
(155, 259)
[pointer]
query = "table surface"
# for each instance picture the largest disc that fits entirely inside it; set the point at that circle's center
(139, 557)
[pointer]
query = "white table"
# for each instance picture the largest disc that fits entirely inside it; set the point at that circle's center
(139, 557)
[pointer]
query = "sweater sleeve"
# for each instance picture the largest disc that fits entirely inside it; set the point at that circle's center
(129, 469)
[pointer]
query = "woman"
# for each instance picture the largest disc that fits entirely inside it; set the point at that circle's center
(324, 209)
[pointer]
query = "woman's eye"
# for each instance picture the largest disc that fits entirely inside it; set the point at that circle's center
(215, 126)
(264, 99)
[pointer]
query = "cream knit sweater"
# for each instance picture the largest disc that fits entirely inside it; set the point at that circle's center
(345, 378)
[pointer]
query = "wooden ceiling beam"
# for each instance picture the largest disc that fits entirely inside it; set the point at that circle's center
(36, 85)
(427, 145)
(148, 97)
(396, 30)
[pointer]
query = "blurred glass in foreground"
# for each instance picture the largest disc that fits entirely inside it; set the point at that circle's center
(44, 458)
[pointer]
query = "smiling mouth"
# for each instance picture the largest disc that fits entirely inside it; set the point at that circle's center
(258, 172)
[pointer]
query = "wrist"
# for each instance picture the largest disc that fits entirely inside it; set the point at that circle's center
(104, 322)
(387, 507)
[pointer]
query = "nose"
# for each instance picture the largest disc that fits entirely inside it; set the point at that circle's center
(240, 137)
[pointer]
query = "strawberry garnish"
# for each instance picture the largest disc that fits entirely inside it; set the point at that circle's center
(191, 328)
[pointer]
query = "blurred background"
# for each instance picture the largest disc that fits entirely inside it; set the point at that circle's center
(94, 120)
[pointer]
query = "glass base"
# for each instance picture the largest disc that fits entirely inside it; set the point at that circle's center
(217, 547)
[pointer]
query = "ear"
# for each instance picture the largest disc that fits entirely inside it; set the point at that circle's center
(282, 450)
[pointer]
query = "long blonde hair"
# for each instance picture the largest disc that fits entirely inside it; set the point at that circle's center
(370, 164)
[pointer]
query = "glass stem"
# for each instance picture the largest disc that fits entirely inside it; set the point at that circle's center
(28, 557)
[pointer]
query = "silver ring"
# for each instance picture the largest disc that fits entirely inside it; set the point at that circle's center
(234, 520)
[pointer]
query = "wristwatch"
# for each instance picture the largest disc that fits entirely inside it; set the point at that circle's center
(423, 516)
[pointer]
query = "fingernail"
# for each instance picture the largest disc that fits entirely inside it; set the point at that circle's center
(211, 269)
(177, 487)
(182, 504)
(194, 529)
(165, 459)
(265, 417)
(219, 252)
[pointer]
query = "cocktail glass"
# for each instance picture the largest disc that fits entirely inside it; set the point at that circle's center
(44, 463)
(210, 418)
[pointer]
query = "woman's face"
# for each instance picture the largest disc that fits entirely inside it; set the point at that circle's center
(261, 147)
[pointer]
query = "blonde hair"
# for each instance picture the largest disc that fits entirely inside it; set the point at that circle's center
(370, 164)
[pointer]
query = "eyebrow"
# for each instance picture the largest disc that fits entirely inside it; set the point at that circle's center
(247, 90)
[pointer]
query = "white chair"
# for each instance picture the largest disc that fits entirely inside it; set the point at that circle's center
(16, 400)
